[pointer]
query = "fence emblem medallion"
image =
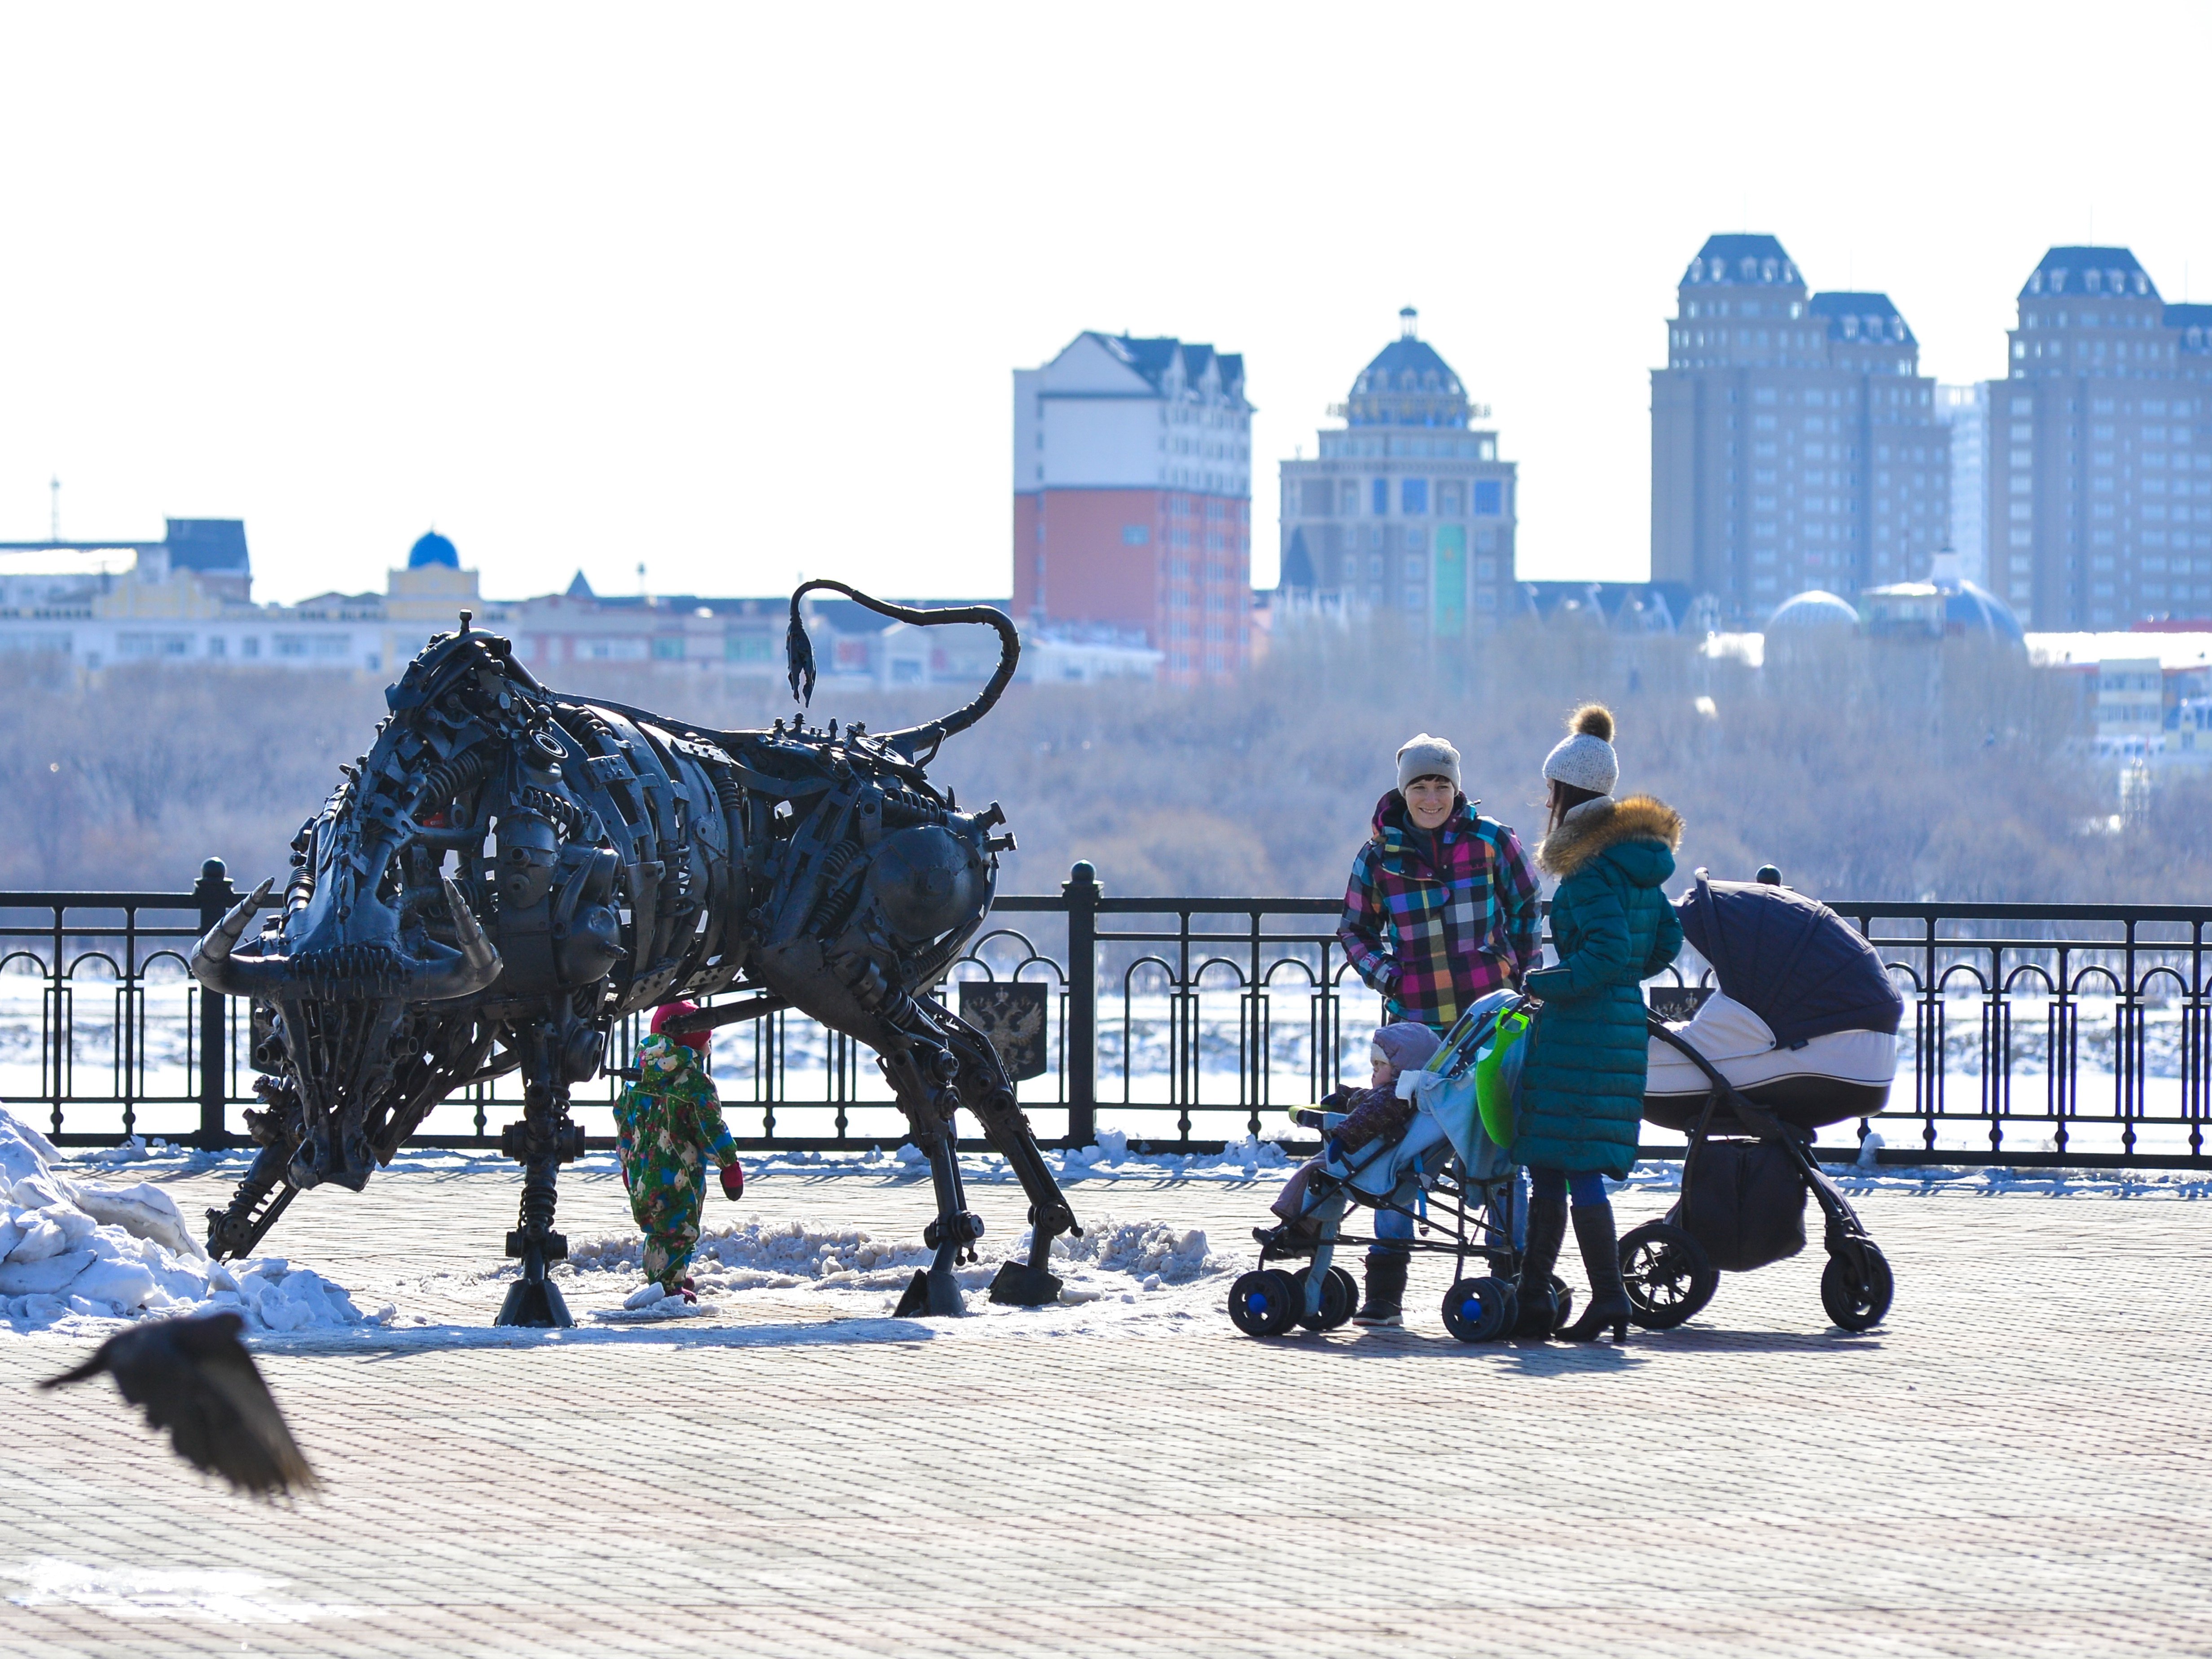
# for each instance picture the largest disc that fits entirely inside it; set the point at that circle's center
(1013, 1016)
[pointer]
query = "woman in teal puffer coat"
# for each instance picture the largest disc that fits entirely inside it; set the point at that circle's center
(1581, 1087)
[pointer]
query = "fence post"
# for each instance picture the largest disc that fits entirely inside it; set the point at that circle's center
(215, 896)
(1081, 891)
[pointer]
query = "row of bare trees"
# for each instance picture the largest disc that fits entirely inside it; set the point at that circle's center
(1863, 769)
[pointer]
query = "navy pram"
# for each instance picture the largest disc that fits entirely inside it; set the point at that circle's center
(1800, 1033)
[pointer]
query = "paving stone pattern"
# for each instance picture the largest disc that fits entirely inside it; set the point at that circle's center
(2017, 1464)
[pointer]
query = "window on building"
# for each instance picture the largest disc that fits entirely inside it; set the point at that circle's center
(1449, 495)
(1413, 496)
(1382, 497)
(1489, 497)
(1136, 535)
(1347, 497)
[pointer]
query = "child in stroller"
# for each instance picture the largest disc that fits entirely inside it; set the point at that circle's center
(1419, 1158)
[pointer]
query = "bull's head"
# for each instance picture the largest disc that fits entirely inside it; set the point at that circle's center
(349, 978)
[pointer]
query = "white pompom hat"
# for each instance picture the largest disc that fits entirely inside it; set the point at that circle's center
(1585, 758)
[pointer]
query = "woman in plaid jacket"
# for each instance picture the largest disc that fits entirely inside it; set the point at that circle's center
(1442, 909)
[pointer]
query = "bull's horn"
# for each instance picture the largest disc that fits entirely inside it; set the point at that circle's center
(215, 967)
(461, 973)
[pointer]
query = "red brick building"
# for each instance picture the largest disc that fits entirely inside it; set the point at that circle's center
(1132, 499)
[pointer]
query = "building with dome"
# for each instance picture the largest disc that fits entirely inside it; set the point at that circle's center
(1812, 613)
(1795, 443)
(1947, 605)
(1407, 507)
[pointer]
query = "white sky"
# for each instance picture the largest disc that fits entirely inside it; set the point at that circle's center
(737, 292)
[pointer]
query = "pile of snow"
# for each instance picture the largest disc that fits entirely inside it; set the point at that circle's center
(772, 1254)
(68, 1248)
(1143, 1249)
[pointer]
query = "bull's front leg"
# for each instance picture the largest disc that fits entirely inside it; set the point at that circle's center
(542, 1142)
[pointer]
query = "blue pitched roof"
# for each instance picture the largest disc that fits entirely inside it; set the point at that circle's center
(2188, 316)
(1875, 309)
(1721, 260)
(216, 545)
(1152, 358)
(2075, 261)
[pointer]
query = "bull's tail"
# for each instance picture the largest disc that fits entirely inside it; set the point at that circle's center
(917, 742)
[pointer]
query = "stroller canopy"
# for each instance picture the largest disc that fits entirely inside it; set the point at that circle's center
(1790, 959)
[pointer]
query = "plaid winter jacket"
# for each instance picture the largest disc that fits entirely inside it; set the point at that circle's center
(1432, 941)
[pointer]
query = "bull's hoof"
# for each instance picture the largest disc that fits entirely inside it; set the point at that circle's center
(534, 1302)
(930, 1294)
(1022, 1285)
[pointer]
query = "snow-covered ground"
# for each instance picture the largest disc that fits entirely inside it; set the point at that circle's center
(78, 1254)
(90, 1242)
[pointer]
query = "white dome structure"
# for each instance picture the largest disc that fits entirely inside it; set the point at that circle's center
(1813, 611)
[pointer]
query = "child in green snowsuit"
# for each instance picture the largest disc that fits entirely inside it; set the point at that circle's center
(663, 1122)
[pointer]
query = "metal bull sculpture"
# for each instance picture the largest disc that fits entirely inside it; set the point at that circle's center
(508, 872)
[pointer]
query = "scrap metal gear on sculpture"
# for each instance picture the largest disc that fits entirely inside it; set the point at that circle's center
(508, 872)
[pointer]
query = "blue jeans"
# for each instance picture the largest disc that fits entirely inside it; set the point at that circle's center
(1586, 1188)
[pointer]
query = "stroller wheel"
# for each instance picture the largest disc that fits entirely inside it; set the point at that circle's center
(1854, 1303)
(1264, 1303)
(1667, 1273)
(1563, 1302)
(1340, 1297)
(1350, 1287)
(1479, 1309)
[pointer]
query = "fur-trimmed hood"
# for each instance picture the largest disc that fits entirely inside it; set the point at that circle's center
(1595, 825)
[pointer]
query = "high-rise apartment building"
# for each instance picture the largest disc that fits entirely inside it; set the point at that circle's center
(1964, 411)
(1132, 498)
(1407, 508)
(2100, 486)
(1794, 442)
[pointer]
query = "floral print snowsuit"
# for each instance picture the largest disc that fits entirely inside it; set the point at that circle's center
(663, 1122)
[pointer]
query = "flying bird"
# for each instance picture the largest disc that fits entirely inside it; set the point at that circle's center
(195, 1379)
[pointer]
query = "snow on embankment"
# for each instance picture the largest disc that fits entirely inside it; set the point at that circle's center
(1111, 1257)
(70, 1249)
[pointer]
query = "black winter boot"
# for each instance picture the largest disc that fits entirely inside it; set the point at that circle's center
(1547, 1228)
(1386, 1290)
(1608, 1303)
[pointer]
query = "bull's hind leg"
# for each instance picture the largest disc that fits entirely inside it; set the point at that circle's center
(542, 1143)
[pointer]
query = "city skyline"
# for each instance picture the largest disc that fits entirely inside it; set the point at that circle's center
(575, 297)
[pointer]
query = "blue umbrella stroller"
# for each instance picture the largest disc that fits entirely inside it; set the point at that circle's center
(1443, 1170)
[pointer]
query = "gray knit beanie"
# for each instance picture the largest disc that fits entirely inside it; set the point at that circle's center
(1585, 759)
(1425, 756)
(1407, 1045)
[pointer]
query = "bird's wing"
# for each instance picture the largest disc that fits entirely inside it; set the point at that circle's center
(195, 1379)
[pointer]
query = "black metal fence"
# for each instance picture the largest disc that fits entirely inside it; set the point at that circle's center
(2036, 1034)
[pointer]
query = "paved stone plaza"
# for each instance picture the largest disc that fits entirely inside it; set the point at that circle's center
(2016, 1463)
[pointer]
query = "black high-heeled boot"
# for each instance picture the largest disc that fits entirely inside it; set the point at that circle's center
(1608, 1303)
(1547, 1229)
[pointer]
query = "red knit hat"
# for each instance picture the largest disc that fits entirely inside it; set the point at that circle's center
(694, 1041)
